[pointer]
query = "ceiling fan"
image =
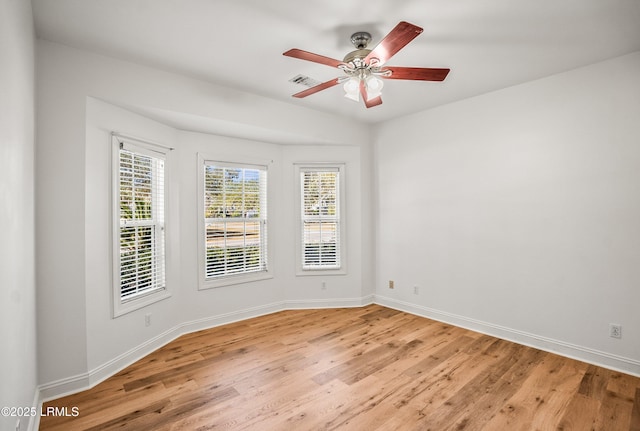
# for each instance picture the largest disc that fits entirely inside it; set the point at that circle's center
(364, 67)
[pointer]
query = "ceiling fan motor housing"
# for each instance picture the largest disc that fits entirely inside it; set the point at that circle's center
(357, 57)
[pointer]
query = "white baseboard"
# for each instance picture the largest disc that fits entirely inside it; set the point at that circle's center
(224, 319)
(328, 303)
(580, 353)
(88, 380)
(67, 386)
(81, 382)
(34, 421)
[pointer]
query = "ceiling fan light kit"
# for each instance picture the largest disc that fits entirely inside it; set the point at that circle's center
(372, 84)
(364, 69)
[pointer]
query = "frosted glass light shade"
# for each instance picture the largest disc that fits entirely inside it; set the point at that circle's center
(374, 87)
(352, 89)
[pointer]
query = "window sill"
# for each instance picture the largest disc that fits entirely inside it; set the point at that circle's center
(234, 279)
(312, 272)
(122, 308)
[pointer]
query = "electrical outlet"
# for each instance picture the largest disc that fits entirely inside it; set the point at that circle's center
(323, 286)
(390, 284)
(416, 290)
(147, 319)
(615, 330)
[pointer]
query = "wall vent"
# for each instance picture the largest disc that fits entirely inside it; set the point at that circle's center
(304, 80)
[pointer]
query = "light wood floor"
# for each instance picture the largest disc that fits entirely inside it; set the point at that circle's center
(369, 368)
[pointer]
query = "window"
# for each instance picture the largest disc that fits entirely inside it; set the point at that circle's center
(320, 218)
(139, 225)
(234, 223)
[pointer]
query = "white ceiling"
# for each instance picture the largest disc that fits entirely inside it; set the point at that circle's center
(488, 44)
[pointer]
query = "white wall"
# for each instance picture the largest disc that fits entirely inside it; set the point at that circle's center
(518, 212)
(82, 97)
(127, 331)
(300, 289)
(18, 377)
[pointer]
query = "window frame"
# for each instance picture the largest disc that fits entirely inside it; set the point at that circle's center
(301, 167)
(205, 282)
(122, 305)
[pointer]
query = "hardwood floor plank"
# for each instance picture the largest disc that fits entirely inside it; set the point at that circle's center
(448, 348)
(184, 370)
(580, 414)
(475, 415)
(538, 400)
(94, 413)
(362, 366)
(504, 356)
(422, 399)
(380, 313)
(369, 368)
(635, 414)
(615, 412)
(621, 385)
(175, 409)
(366, 398)
(304, 410)
(594, 383)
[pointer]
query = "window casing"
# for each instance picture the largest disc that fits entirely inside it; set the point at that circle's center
(320, 241)
(139, 225)
(233, 224)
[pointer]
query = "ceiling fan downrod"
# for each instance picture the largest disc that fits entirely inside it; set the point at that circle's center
(361, 39)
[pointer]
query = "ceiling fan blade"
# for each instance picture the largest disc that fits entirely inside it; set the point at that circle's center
(310, 56)
(371, 102)
(401, 35)
(319, 87)
(416, 73)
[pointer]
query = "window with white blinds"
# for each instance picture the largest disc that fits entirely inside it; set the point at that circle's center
(140, 226)
(235, 220)
(320, 218)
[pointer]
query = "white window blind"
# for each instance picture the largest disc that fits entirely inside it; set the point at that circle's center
(320, 202)
(235, 219)
(141, 197)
